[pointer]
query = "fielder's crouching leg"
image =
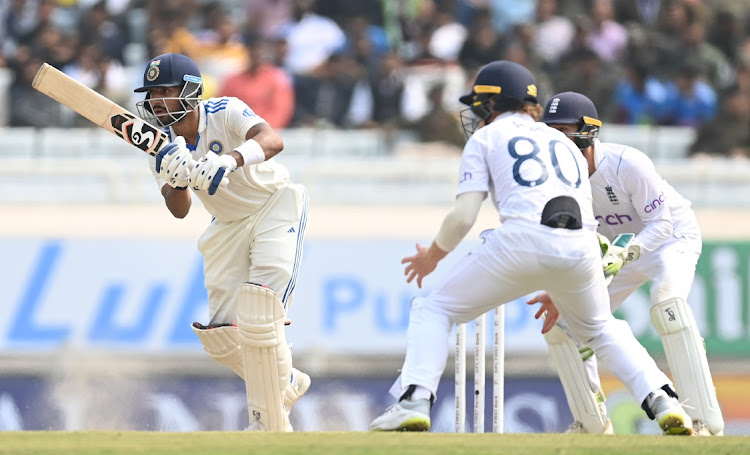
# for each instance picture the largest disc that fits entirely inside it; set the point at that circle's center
(686, 356)
(268, 360)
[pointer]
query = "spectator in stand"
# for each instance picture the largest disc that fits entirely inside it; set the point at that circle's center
(719, 72)
(269, 18)
(690, 101)
(727, 135)
(508, 14)
(639, 99)
(727, 31)
(584, 72)
(98, 27)
(222, 52)
(447, 37)
(387, 88)
(365, 42)
(482, 45)
(29, 107)
(20, 22)
(168, 23)
(265, 87)
(553, 34)
(439, 124)
(605, 36)
(311, 39)
(644, 12)
(324, 96)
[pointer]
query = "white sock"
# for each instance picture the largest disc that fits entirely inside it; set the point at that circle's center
(420, 393)
(654, 395)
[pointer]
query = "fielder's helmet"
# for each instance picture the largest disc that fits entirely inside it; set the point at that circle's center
(509, 84)
(571, 108)
(171, 70)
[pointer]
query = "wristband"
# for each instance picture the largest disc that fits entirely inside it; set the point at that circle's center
(252, 152)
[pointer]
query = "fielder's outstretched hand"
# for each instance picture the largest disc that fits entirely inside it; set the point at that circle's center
(547, 306)
(422, 263)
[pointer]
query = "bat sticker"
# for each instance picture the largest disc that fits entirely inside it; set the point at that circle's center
(138, 132)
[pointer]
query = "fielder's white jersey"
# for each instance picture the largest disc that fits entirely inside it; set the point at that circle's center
(630, 196)
(224, 122)
(523, 164)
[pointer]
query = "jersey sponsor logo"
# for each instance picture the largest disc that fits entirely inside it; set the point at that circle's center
(655, 203)
(248, 113)
(614, 219)
(611, 195)
(466, 176)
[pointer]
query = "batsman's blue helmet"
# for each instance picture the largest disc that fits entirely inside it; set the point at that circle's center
(169, 70)
(571, 108)
(507, 83)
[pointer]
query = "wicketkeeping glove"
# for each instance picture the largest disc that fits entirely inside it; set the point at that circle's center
(618, 253)
(211, 172)
(174, 163)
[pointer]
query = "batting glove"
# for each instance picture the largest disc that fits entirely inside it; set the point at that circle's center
(211, 171)
(174, 163)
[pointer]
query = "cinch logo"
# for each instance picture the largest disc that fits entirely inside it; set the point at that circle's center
(655, 203)
(614, 220)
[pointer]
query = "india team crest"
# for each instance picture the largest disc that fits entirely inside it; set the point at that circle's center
(153, 71)
(216, 147)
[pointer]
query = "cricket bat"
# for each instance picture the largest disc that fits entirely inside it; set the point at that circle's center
(98, 109)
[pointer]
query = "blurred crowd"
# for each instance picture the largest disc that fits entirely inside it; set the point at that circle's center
(398, 64)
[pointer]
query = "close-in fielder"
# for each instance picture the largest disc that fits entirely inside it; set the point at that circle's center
(630, 196)
(538, 181)
(252, 249)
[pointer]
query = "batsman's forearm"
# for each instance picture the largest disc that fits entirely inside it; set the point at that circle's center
(178, 201)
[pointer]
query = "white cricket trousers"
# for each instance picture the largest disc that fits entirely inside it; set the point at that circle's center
(516, 259)
(264, 248)
(670, 269)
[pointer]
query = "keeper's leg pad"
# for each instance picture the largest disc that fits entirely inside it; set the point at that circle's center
(222, 343)
(268, 360)
(686, 355)
(585, 405)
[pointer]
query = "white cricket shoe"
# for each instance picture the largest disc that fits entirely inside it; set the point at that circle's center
(404, 416)
(577, 427)
(668, 412)
(700, 429)
(297, 387)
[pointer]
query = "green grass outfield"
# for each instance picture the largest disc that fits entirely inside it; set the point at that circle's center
(245, 443)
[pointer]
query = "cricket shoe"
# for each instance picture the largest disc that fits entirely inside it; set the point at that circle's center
(577, 427)
(405, 415)
(298, 385)
(662, 406)
(700, 429)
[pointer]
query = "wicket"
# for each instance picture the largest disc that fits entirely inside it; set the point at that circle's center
(498, 373)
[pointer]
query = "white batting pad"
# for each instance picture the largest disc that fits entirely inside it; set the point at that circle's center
(583, 402)
(268, 360)
(686, 355)
(223, 345)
